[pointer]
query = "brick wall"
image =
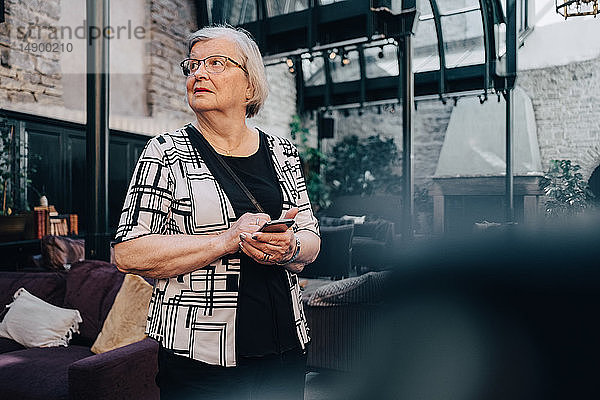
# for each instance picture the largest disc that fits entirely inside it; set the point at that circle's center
(566, 102)
(171, 22)
(430, 122)
(276, 115)
(28, 76)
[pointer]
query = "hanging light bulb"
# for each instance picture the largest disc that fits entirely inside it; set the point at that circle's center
(289, 62)
(333, 54)
(345, 59)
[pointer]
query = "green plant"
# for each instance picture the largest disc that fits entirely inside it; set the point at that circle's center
(14, 180)
(7, 165)
(363, 166)
(566, 191)
(313, 160)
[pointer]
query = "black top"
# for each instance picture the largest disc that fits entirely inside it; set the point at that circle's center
(265, 323)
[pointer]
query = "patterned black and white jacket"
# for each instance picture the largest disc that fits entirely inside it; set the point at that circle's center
(173, 192)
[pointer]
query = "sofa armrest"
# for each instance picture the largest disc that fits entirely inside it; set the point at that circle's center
(128, 372)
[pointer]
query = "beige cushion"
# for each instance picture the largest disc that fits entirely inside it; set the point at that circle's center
(33, 322)
(126, 320)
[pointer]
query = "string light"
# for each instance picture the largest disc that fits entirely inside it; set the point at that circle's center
(575, 8)
(345, 59)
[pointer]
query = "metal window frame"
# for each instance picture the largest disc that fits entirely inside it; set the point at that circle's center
(357, 23)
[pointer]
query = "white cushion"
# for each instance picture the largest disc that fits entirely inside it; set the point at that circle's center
(33, 322)
(355, 219)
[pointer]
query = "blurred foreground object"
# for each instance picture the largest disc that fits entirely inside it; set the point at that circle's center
(505, 315)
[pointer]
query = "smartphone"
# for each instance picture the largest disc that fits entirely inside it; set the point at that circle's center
(277, 225)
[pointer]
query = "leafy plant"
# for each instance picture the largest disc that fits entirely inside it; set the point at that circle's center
(313, 160)
(6, 169)
(363, 166)
(566, 191)
(13, 179)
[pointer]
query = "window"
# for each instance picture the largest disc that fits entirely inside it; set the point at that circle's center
(522, 16)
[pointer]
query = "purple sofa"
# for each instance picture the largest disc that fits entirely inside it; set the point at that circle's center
(74, 372)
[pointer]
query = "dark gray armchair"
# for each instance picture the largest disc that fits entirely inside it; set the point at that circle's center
(335, 258)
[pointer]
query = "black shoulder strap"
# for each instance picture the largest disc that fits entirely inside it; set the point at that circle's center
(193, 137)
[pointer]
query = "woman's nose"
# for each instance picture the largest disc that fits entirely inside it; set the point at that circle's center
(201, 72)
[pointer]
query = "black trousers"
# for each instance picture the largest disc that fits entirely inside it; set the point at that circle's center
(274, 377)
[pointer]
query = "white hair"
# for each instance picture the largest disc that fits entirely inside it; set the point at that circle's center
(250, 55)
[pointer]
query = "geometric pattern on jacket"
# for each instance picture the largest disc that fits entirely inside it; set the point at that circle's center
(173, 192)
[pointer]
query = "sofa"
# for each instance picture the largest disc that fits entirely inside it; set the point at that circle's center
(75, 372)
(335, 258)
(373, 241)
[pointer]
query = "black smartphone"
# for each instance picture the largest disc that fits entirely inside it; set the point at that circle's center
(277, 225)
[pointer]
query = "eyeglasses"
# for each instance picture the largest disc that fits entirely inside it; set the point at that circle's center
(213, 65)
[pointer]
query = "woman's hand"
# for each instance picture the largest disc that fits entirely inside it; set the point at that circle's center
(247, 224)
(270, 247)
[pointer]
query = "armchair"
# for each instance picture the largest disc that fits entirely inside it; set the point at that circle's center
(335, 258)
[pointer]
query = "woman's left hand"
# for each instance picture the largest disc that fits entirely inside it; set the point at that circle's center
(270, 247)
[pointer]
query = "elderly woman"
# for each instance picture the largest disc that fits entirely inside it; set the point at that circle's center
(226, 306)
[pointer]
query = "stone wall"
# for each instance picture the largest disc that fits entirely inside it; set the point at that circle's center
(566, 101)
(171, 22)
(276, 115)
(430, 120)
(28, 75)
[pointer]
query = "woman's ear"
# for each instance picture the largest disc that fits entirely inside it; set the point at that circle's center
(249, 91)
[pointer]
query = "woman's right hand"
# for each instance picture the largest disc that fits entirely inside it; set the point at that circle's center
(248, 223)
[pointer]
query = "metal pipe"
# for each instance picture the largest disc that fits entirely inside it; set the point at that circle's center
(277, 58)
(408, 97)
(450, 13)
(440, 45)
(363, 76)
(509, 192)
(97, 235)
(488, 39)
(511, 75)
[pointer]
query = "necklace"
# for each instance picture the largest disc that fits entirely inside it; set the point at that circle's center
(227, 151)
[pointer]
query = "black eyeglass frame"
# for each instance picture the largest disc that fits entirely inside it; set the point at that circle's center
(203, 61)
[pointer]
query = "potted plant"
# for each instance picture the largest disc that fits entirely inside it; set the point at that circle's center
(313, 162)
(567, 193)
(363, 166)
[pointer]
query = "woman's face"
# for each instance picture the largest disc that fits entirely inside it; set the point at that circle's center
(226, 91)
